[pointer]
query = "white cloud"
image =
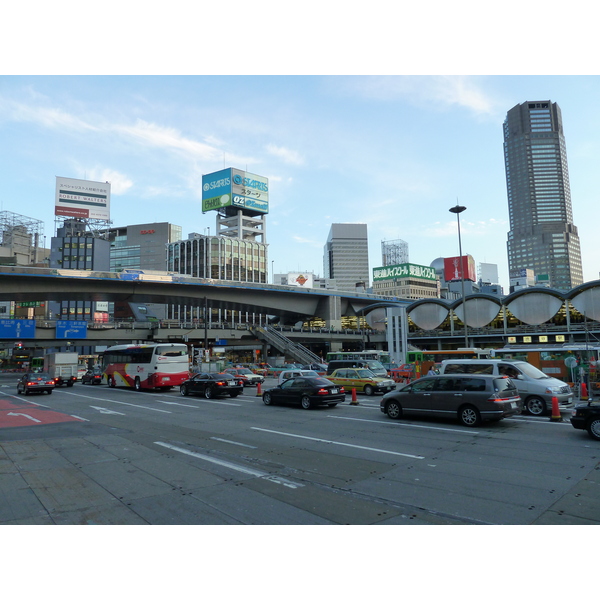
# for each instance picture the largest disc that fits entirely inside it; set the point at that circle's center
(442, 91)
(288, 156)
(119, 183)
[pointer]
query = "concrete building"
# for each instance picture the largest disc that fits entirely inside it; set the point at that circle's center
(75, 246)
(346, 256)
(20, 239)
(542, 235)
(406, 280)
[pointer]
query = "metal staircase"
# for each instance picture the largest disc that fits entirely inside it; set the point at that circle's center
(297, 352)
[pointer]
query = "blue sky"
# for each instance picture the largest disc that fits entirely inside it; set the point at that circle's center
(394, 151)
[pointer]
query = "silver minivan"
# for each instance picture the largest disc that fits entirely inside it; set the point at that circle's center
(535, 387)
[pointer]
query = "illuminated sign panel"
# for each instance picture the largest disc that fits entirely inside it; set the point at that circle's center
(402, 271)
(239, 189)
(82, 199)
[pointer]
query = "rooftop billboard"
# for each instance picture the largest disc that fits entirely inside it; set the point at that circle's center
(82, 199)
(402, 271)
(239, 189)
(452, 271)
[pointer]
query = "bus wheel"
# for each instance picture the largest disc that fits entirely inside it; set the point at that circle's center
(137, 384)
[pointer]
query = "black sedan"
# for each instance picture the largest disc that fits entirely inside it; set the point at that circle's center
(35, 383)
(92, 376)
(305, 391)
(587, 416)
(211, 385)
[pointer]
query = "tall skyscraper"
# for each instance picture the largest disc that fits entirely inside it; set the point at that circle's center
(542, 235)
(346, 256)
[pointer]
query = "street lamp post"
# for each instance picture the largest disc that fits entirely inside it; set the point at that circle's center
(457, 210)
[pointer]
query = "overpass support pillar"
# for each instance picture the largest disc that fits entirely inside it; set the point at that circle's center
(397, 333)
(330, 310)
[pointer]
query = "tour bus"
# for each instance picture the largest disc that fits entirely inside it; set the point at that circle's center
(379, 355)
(146, 366)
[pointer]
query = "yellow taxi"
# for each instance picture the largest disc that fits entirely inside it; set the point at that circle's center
(363, 380)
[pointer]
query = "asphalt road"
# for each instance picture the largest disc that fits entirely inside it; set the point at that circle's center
(98, 455)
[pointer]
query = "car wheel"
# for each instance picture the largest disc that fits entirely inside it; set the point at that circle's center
(393, 409)
(333, 405)
(535, 406)
(208, 392)
(267, 399)
(469, 416)
(184, 390)
(593, 428)
(19, 391)
(305, 402)
(234, 394)
(369, 390)
(137, 385)
(50, 391)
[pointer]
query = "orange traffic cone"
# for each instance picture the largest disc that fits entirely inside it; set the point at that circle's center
(584, 391)
(354, 401)
(258, 390)
(556, 416)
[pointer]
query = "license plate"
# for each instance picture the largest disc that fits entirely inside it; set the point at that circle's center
(513, 405)
(334, 390)
(231, 383)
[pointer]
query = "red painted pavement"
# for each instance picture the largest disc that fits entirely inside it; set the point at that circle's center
(16, 413)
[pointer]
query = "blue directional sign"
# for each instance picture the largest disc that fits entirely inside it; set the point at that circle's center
(17, 328)
(71, 330)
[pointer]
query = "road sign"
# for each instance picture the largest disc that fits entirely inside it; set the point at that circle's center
(71, 330)
(17, 328)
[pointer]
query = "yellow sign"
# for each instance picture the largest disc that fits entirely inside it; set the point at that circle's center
(527, 339)
(560, 338)
(512, 340)
(543, 338)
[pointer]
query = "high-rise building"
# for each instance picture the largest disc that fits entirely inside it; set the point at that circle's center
(542, 235)
(346, 256)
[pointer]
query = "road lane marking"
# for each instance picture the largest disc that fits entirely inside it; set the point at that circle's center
(198, 400)
(304, 437)
(466, 431)
(232, 442)
(106, 411)
(11, 414)
(235, 467)
(117, 402)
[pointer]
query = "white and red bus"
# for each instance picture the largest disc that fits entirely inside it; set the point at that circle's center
(146, 366)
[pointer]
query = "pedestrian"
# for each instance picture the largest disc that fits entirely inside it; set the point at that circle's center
(432, 370)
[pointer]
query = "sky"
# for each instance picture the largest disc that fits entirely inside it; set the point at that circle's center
(389, 125)
(394, 152)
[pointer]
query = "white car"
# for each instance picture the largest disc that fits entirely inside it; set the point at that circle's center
(289, 373)
(81, 371)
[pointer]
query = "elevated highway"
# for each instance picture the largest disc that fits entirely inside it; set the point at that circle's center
(290, 304)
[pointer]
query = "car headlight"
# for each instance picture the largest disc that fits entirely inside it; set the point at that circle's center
(553, 390)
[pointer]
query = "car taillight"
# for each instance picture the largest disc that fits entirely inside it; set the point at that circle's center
(221, 383)
(32, 383)
(323, 391)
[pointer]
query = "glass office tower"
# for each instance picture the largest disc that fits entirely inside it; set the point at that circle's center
(542, 235)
